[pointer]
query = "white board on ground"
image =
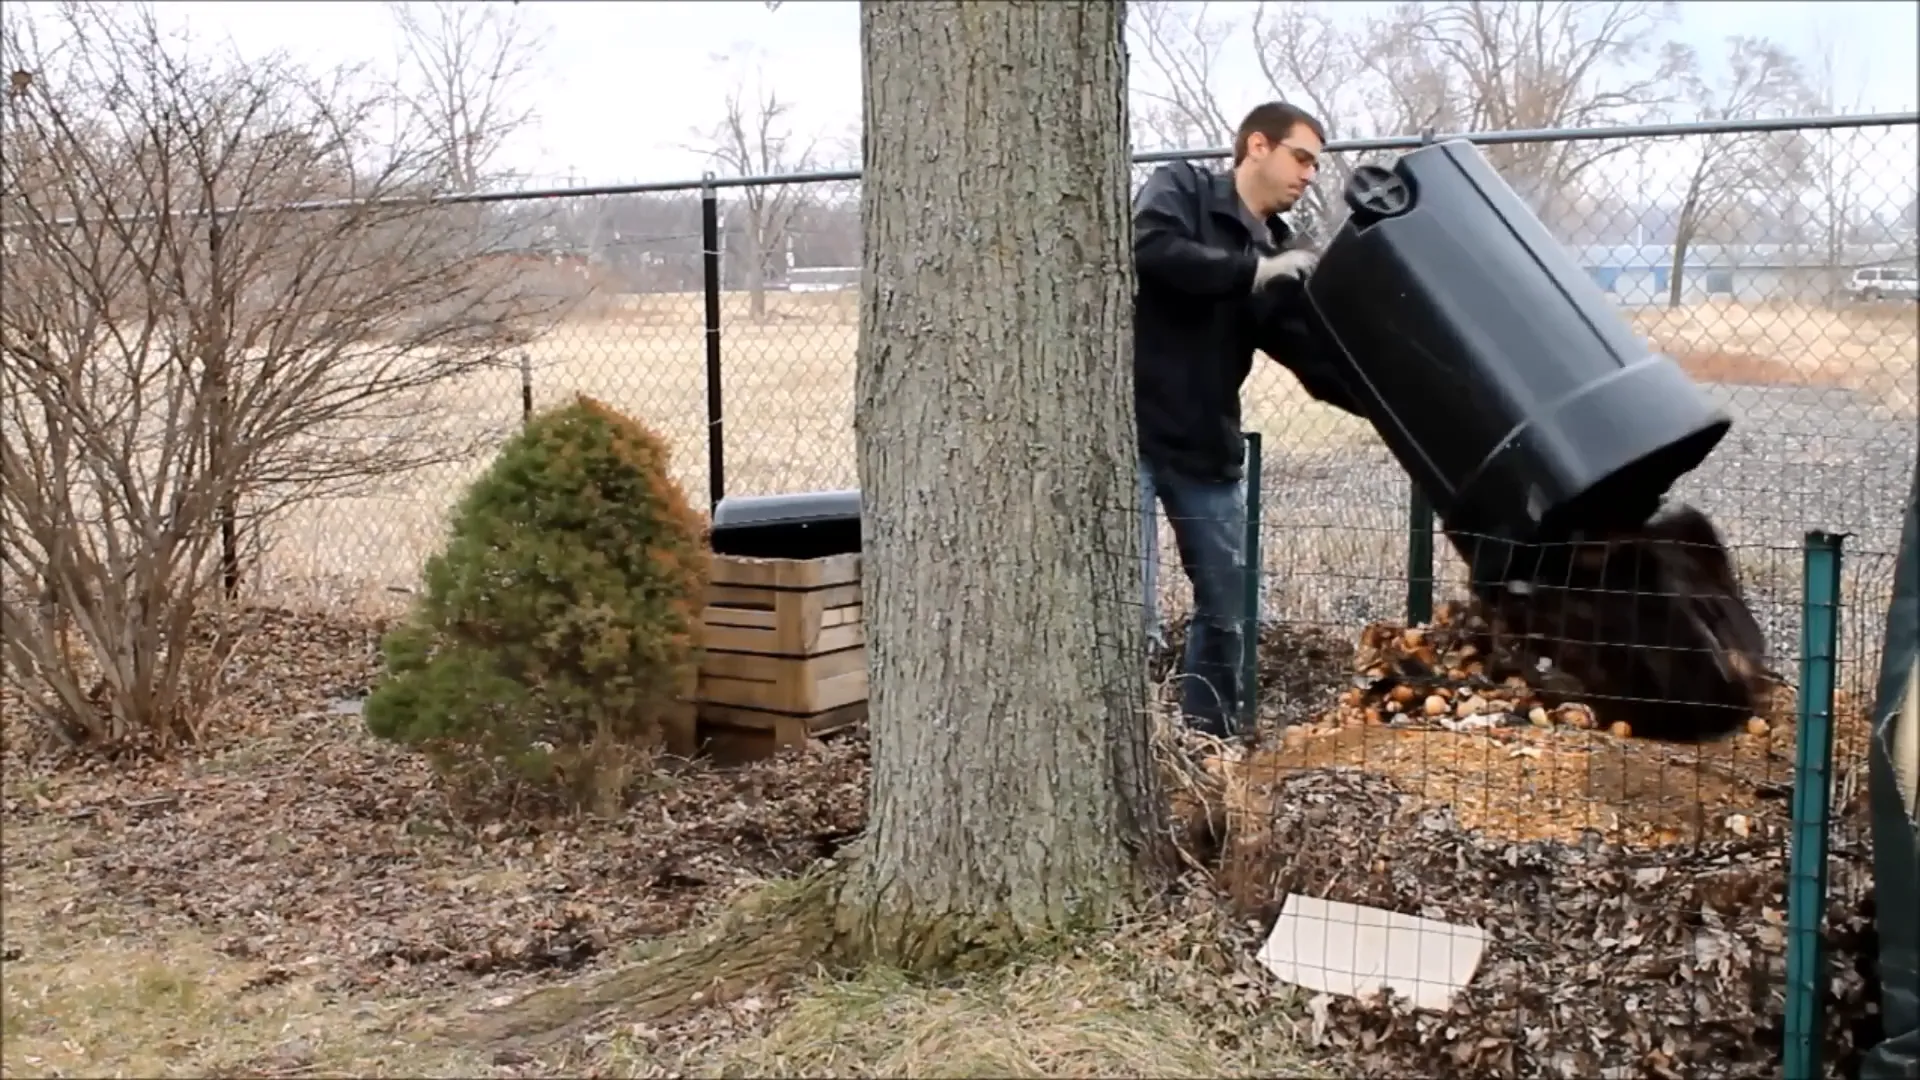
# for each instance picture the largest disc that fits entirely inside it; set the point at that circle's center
(1337, 948)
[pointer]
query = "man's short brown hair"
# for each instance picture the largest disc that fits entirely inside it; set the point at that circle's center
(1275, 120)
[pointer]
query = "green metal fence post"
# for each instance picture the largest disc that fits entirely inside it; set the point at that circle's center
(1812, 786)
(1250, 617)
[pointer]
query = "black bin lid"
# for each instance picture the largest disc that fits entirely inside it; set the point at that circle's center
(804, 525)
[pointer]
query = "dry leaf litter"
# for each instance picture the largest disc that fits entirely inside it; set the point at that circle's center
(310, 847)
(1633, 892)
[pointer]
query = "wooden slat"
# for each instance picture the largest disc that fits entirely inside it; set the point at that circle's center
(762, 668)
(840, 616)
(762, 598)
(836, 595)
(744, 596)
(733, 616)
(786, 573)
(766, 641)
(793, 693)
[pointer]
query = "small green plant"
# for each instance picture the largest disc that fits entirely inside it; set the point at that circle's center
(559, 625)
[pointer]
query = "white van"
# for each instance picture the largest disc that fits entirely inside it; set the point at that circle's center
(1885, 283)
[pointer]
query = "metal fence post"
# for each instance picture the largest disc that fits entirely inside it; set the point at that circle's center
(1812, 785)
(219, 429)
(1420, 530)
(1250, 619)
(710, 281)
(526, 388)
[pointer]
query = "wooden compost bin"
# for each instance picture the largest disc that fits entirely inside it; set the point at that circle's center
(785, 656)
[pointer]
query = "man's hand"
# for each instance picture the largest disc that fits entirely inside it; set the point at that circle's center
(1288, 265)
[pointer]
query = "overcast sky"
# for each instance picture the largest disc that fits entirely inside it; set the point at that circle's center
(623, 86)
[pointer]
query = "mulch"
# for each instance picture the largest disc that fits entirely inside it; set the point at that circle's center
(1602, 959)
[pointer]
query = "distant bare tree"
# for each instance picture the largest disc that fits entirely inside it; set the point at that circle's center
(467, 71)
(1454, 66)
(1834, 178)
(1532, 65)
(184, 357)
(1179, 47)
(754, 138)
(1304, 57)
(1763, 79)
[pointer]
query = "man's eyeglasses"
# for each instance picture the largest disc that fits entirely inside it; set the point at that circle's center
(1308, 160)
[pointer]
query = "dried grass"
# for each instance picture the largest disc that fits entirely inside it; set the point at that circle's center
(1871, 348)
(1147, 1001)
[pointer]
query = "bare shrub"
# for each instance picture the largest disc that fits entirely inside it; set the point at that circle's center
(226, 291)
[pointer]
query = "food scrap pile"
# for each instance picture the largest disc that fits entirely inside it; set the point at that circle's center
(1452, 717)
(1454, 675)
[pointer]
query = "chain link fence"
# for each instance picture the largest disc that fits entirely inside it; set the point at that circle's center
(1636, 906)
(1797, 312)
(1776, 262)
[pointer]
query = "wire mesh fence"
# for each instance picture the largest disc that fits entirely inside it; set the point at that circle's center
(1603, 892)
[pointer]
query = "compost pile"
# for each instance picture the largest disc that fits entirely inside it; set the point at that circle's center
(1601, 960)
(1633, 890)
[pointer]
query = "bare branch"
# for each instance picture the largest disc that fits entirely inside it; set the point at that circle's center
(468, 70)
(754, 138)
(1181, 49)
(170, 367)
(1531, 65)
(1763, 79)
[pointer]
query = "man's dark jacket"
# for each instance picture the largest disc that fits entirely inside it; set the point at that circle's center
(1197, 322)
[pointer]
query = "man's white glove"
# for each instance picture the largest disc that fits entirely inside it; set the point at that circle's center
(1289, 265)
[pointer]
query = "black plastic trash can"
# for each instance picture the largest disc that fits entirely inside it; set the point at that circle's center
(1498, 373)
(808, 525)
(1546, 434)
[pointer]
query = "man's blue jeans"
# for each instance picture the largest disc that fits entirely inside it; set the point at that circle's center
(1209, 528)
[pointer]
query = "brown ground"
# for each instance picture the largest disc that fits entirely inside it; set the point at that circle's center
(296, 900)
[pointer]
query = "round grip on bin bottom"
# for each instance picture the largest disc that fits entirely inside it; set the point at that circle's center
(1378, 192)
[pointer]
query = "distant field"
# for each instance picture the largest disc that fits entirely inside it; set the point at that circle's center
(788, 392)
(1874, 349)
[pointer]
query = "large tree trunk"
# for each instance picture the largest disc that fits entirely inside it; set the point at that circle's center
(1013, 790)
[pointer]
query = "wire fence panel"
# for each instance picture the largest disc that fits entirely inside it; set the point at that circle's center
(791, 300)
(624, 325)
(1630, 893)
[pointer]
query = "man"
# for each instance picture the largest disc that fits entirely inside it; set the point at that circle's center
(1217, 277)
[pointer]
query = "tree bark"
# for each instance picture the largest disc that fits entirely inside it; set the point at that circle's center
(1014, 795)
